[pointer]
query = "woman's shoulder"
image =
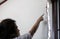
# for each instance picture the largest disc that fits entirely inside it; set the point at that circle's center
(25, 36)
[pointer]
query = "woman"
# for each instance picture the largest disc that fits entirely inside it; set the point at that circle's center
(9, 30)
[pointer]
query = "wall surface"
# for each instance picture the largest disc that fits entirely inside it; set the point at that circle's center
(1, 1)
(26, 12)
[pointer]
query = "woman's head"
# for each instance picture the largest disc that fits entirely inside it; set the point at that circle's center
(10, 28)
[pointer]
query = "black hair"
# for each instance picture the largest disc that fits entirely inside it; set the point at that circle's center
(8, 29)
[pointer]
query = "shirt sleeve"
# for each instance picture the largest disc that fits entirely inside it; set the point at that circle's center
(28, 35)
(25, 36)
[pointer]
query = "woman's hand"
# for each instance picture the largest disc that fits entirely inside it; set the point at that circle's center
(41, 17)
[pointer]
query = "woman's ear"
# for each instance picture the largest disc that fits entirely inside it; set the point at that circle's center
(2, 1)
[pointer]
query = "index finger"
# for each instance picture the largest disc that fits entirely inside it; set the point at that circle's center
(42, 15)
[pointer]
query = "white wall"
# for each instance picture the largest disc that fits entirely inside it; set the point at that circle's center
(1, 1)
(26, 12)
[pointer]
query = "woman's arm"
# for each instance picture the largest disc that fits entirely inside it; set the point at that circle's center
(36, 25)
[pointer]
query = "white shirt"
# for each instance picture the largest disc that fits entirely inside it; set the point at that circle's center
(25, 36)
